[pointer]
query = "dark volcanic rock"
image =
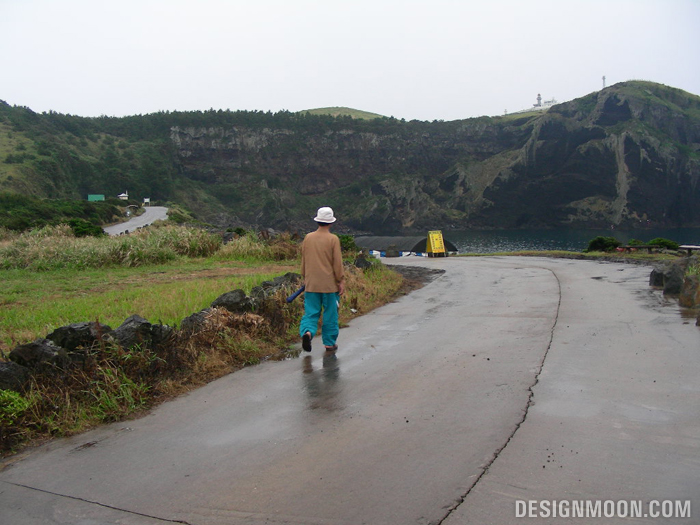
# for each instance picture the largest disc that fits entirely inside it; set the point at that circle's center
(361, 262)
(671, 275)
(138, 331)
(195, 322)
(77, 335)
(235, 301)
(656, 278)
(673, 279)
(42, 355)
(690, 292)
(13, 376)
(270, 288)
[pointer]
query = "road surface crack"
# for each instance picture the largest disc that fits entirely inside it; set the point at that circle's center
(525, 412)
(75, 498)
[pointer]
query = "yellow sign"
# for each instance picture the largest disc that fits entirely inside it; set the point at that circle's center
(435, 242)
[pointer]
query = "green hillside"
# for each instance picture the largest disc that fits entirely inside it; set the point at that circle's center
(343, 112)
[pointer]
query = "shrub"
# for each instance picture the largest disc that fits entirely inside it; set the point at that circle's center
(603, 244)
(347, 243)
(664, 243)
(83, 228)
(177, 217)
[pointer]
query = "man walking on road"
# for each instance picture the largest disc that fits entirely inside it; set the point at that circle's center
(324, 279)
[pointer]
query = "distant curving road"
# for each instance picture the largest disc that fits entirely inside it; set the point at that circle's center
(150, 215)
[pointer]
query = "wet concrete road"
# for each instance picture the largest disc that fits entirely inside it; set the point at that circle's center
(505, 379)
(150, 215)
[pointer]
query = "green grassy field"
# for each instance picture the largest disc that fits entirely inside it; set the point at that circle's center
(32, 304)
(342, 111)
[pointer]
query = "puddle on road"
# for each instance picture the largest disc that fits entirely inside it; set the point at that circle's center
(323, 386)
(656, 300)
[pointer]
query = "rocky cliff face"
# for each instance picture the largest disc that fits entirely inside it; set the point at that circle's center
(629, 162)
(627, 156)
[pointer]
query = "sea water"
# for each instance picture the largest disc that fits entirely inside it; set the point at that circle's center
(480, 241)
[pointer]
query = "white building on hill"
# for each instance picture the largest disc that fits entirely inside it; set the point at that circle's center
(541, 105)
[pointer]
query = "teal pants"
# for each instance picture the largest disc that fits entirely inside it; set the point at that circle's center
(314, 304)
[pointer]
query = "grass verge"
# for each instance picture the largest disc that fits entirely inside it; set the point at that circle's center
(111, 383)
(34, 304)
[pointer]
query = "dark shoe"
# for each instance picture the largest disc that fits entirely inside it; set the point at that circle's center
(331, 348)
(306, 341)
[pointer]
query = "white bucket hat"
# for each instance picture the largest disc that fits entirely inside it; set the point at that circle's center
(324, 215)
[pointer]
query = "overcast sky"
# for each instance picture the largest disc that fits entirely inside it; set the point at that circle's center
(412, 59)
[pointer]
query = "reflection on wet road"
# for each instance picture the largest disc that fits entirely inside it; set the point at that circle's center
(323, 386)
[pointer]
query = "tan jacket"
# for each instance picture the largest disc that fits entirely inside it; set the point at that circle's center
(321, 261)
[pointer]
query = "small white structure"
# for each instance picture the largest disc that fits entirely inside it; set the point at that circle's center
(544, 104)
(124, 196)
(541, 105)
(146, 201)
